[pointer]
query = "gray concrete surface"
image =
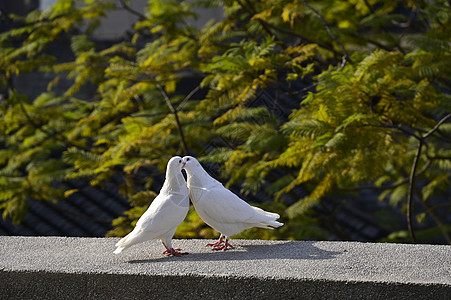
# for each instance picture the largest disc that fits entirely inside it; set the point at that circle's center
(86, 268)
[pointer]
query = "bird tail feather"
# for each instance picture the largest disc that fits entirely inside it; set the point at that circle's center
(266, 213)
(269, 224)
(118, 250)
(122, 241)
(122, 244)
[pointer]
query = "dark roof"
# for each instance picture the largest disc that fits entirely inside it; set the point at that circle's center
(86, 213)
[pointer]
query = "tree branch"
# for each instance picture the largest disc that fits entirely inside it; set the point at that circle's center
(132, 11)
(177, 121)
(188, 97)
(437, 126)
(410, 192)
(345, 56)
(413, 174)
(302, 37)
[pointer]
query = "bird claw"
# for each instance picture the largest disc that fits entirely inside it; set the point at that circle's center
(219, 245)
(174, 252)
(216, 244)
(223, 247)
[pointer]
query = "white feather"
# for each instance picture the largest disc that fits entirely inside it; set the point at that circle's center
(164, 214)
(219, 207)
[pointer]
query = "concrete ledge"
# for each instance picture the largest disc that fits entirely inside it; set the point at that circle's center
(86, 268)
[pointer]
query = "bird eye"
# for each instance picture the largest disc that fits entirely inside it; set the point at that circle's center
(187, 159)
(180, 161)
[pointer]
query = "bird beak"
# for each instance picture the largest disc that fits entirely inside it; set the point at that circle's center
(183, 166)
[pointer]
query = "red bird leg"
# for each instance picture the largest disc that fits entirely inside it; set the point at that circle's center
(218, 243)
(172, 251)
(223, 247)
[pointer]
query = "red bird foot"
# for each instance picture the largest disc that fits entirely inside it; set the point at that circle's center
(222, 247)
(217, 244)
(174, 252)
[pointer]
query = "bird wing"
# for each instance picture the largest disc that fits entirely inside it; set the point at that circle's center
(162, 216)
(167, 213)
(222, 209)
(223, 206)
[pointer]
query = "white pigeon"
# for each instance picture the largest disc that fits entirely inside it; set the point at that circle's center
(220, 208)
(165, 213)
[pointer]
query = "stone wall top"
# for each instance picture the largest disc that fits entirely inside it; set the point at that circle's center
(306, 266)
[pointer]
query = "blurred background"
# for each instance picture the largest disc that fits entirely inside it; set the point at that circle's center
(335, 115)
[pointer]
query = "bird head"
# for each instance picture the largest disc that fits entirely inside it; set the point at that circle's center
(188, 162)
(175, 163)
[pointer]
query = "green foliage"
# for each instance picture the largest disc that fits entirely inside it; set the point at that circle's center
(375, 89)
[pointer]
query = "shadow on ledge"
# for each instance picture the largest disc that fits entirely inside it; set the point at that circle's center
(255, 252)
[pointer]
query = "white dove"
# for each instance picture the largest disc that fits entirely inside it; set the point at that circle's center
(165, 213)
(220, 208)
